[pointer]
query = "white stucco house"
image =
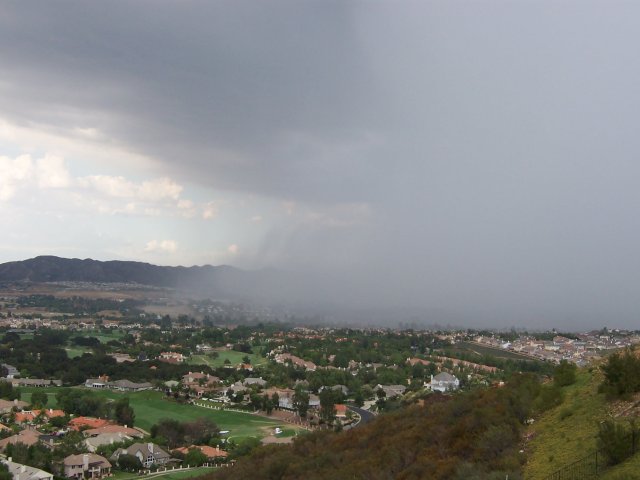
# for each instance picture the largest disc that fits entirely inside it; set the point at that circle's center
(443, 382)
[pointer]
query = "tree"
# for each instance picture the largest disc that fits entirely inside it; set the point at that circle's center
(4, 472)
(616, 440)
(124, 413)
(382, 399)
(565, 374)
(256, 401)
(358, 399)
(200, 431)
(622, 374)
(130, 463)
(267, 404)
(327, 405)
(301, 401)
(195, 457)
(59, 422)
(39, 399)
(8, 392)
(171, 430)
(71, 443)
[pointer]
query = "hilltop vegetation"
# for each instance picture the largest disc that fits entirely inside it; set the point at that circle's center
(590, 416)
(474, 435)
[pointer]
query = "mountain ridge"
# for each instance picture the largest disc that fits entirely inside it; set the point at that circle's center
(221, 280)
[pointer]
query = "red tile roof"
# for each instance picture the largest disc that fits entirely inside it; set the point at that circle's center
(87, 422)
(210, 452)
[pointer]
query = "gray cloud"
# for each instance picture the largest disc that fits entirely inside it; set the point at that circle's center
(494, 142)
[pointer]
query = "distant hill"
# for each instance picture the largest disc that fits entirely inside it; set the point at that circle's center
(223, 280)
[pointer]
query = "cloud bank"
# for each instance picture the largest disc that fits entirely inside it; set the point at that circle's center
(475, 159)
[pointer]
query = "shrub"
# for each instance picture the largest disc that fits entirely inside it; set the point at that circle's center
(615, 440)
(565, 413)
(550, 396)
(622, 374)
(565, 374)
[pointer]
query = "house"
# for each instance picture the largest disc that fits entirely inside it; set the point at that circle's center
(87, 465)
(199, 382)
(121, 385)
(12, 371)
(7, 405)
(29, 416)
(341, 411)
(129, 386)
(211, 452)
(101, 382)
(172, 357)
(148, 454)
(254, 381)
(285, 396)
(122, 357)
(415, 361)
(391, 391)
(35, 382)
(195, 377)
(128, 431)
(83, 423)
(443, 382)
(92, 443)
(27, 437)
(297, 361)
(25, 472)
(336, 388)
(314, 401)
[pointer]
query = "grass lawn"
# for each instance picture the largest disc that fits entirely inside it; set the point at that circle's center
(51, 394)
(568, 432)
(479, 350)
(234, 357)
(629, 470)
(196, 472)
(170, 475)
(288, 432)
(115, 334)
(73, 352)
(150, 407)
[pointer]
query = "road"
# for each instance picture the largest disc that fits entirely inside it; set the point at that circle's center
(365, 415)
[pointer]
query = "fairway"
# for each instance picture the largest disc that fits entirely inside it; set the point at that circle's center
(73, 352)
(479, 350)
(234, 358)
(151, 407)
(51, 394)
(171, 475)
(103, 336)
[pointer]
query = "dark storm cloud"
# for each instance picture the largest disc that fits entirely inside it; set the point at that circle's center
(238, 92)
(495, 143)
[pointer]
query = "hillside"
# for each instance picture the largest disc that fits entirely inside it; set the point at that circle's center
(471, 436)
(568, 432)
(220, 280)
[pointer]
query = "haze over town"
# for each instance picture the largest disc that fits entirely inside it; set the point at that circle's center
(471, 163)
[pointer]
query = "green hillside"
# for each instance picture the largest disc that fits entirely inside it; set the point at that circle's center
(469, 436)
(568, 432)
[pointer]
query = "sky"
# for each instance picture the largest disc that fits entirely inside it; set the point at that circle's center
(476, 161)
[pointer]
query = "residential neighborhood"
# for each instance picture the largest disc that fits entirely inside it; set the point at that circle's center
(111, 373)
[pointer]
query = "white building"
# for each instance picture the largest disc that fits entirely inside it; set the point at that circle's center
(25, 472)
(443, 382)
